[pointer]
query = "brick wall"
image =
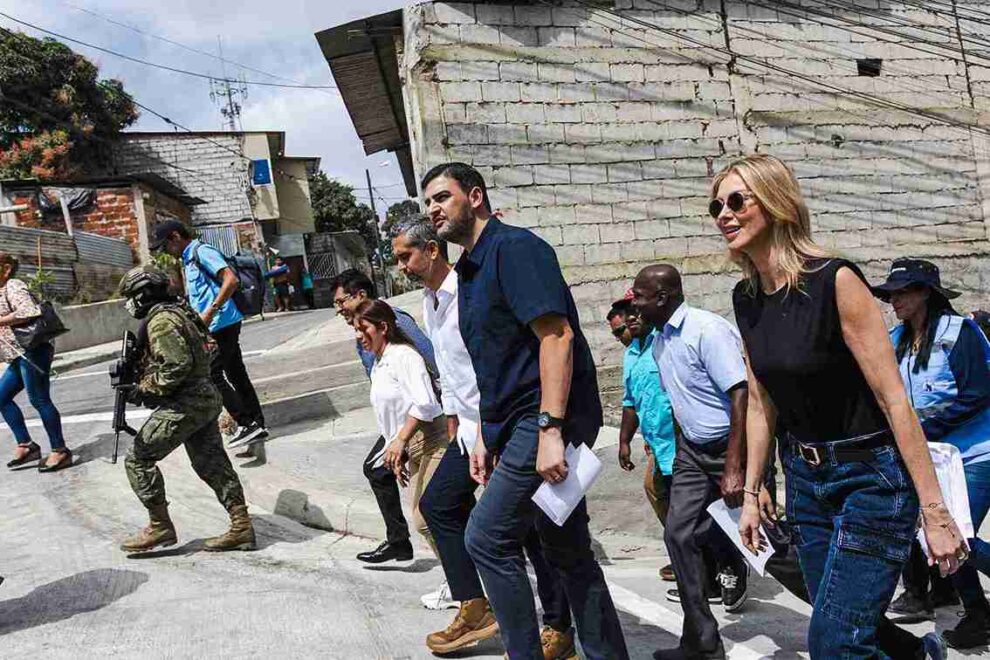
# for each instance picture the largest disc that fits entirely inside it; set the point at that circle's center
(196, 165)
(601, 135)
(112, 215)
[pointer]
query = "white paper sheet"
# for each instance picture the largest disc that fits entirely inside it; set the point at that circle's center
(728, 520)
(558, 500)
(952, 480)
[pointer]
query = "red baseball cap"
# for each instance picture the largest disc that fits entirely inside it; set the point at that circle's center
(626, 299)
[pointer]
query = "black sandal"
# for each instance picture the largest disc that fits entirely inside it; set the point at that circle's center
(33, 455)
(66, 461)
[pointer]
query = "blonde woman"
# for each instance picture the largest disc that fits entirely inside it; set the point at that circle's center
(405, 402)
(822, 372)
(27, 369)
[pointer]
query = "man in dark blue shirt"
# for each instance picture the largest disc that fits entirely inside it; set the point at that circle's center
(539, 391)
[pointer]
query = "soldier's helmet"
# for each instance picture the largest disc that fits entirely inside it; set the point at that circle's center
(143, 287)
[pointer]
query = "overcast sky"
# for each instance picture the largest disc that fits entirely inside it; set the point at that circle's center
(274, 37)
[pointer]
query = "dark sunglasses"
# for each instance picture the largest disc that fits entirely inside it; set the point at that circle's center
(619, 331)
(735, 201)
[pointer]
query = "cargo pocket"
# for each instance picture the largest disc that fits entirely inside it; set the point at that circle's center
(863, 573)
(159, 435)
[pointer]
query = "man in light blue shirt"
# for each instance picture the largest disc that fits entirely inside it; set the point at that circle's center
(700, 360)
(210, 283)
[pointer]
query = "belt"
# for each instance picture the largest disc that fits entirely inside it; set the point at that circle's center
(851, 450)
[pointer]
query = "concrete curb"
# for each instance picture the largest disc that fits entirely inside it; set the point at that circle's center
(71, 363)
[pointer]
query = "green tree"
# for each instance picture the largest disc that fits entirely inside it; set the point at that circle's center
(57, 117)
(336, 209)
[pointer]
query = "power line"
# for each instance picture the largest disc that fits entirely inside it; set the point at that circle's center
(191, 49)
(934, 116)
(164, 67)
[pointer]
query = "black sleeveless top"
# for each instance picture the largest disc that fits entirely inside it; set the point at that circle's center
(797, 352)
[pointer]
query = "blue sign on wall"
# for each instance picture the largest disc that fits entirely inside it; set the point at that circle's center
(261, 172)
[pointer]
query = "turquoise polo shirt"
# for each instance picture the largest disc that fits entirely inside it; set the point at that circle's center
(202, 289)
(641, 379)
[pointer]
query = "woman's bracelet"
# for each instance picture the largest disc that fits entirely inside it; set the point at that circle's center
(754, 493)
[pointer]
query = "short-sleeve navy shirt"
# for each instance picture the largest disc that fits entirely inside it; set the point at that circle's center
(510, 279)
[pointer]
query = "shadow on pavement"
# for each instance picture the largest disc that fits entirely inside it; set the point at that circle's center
(418, 566)
(64, 598)
(100, 447)
(268, 532)
(642, 639)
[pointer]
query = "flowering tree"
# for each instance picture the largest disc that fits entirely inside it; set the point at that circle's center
(56, 116)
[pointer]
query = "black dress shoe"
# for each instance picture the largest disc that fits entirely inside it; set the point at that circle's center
(34, 453)
(388, 552)
(680, 653)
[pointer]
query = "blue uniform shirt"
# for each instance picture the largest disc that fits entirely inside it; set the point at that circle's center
(407, 324)
(510, 279)
(201, 289)
(641, 380)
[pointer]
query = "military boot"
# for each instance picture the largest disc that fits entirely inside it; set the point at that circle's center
(159, 533)
(240, 536)
(473, 623)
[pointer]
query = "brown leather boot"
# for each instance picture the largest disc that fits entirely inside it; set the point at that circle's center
(240, 536)
(159, 533)
(473, 623)
(557, 645)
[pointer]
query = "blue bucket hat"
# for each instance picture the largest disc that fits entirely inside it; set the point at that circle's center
(908, 272)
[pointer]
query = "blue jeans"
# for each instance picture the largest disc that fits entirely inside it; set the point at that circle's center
(33, 372)
(494, 538)
(446, 505)
(853, 524)
(967, 579)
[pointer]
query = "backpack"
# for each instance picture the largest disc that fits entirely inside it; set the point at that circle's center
(249, 298)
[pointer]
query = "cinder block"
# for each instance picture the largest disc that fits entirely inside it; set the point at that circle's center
(536, 196)
(570, 255)
(582, 133)
(538, 92)
(629, 212)
(627, 73)
(670, 248)
(529, 154)
(598, 113)
(454, 12)
(551, 235)
(467, 134)
(573, 194)
(591, 72)
(589, 173)
(545, 133)
(553, 72)
(500, 91)
(576, 93)
(602, 254)
(637, 250)
(610, 193)
(477, 70)
(587, 36)
(649, 230)
(517, 71)
(581, 235)
(552, 173)
(525, 113)
(480, 34)
(687, 226)
(449, 71)
(593, 214)
(556, 37)
(658, 169)
(567, 153)
(491, 14)
(617, 233)
(460, 91)
(567, 114)
(454, 113)
(633, 112)
(519, 36)
(513, 176)
(621, 172)
(556, 216)
(485, 113)
(533, 15)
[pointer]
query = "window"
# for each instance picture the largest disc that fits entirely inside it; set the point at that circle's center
(869, 67)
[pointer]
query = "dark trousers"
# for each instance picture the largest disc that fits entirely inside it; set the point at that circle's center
(918, 575)
(495, 536)
(447, 505)
(697, 473)
(386, 489)
(231, 377)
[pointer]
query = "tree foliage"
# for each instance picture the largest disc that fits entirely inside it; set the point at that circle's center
(336, 209)
(396, 213)
(57, 117)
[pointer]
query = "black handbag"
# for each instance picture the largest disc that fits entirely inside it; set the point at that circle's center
(40, 329)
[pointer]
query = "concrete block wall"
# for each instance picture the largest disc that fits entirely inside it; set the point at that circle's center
(197, 165)
(601, 134)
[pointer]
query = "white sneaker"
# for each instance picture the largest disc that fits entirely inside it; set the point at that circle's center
(440, 599)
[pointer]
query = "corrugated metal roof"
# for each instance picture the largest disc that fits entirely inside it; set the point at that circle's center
(365, 66)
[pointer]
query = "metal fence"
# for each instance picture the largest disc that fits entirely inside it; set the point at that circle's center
(223, 238)
(97, 249)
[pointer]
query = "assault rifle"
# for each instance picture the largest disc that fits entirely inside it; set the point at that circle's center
(123, 378)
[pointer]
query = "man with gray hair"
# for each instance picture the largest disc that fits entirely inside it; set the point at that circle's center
(449, 498)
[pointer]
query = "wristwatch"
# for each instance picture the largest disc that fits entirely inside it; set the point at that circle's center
(548, 421)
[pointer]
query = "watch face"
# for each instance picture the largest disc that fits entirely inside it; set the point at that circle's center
(543, 421)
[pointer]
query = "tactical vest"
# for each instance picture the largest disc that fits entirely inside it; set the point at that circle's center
(196, 335)
(934, 388)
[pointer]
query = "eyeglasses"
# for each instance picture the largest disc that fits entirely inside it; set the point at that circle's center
(735, 201)
(339, 302)
(618, 331)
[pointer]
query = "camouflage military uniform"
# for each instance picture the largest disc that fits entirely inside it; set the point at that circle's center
(175, 378)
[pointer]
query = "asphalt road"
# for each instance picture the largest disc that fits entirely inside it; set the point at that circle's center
(87, 390)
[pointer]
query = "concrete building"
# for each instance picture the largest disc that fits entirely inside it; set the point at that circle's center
(251, 190)
(598, 124)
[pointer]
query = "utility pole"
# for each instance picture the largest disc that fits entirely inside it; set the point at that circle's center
(225, 95)
(378, 242)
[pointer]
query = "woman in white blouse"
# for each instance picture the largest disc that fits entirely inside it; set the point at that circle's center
(27, 369)
(406, 402)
